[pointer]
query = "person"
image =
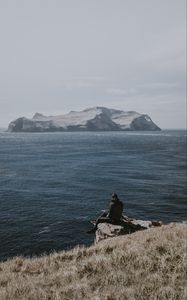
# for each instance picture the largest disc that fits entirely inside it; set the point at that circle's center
(114, 214)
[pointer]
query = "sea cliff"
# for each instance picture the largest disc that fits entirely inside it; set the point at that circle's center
(148, 264)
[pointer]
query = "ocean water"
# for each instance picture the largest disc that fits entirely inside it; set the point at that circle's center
(53, 184)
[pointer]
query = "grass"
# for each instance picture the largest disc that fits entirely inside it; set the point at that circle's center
(149, 264)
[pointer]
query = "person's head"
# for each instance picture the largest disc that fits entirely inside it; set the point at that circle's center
(115, 197)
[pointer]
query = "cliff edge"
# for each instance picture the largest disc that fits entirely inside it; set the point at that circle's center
(149, 264)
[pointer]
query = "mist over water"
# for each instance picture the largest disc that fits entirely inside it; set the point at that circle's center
(52, 184)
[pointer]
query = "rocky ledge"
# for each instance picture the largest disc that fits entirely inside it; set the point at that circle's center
(106, 230)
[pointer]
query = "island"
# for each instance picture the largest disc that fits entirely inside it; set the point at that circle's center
(91, 119)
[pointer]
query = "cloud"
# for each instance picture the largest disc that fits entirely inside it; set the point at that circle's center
(145, 89)
(117, 91)
(159, 85)
(82, 82)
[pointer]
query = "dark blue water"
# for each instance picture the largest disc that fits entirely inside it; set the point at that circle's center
(52, 184)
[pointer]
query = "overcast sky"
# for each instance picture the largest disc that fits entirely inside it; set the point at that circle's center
(62, 55)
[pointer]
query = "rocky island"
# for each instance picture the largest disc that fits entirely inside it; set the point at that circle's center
(91, 119)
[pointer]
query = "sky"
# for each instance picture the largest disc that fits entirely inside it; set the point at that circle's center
(63, 55)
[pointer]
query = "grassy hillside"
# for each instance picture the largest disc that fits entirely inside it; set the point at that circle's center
(149, 264)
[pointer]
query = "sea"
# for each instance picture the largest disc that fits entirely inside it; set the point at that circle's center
(53, 184)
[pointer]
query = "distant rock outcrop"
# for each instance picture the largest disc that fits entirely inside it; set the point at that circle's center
(92, 119)
(106, 230)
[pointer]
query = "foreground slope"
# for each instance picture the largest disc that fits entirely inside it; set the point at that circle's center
(91, 119)
(148, 264)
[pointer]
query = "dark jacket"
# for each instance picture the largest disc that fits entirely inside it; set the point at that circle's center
(115, 210)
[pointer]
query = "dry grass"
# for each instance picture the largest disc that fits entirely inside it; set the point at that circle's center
(145, 265)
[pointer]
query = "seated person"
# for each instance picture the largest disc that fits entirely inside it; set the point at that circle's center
(114, 214)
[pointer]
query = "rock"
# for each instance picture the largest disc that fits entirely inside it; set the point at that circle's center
(106, 230)
(146, 224)
(91, 119)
